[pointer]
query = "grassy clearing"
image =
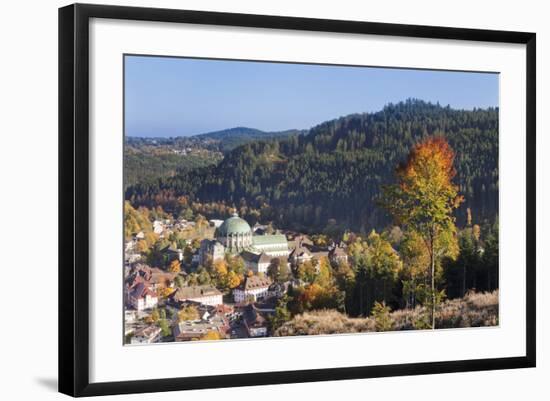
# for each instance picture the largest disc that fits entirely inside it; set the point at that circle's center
(473, 310)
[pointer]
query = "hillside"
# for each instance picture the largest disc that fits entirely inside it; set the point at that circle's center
(331, 177)
(218, 141)
(148, 159)
(474, 310)
(233, 137)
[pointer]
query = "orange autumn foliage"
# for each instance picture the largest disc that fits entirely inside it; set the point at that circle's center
(425, 193)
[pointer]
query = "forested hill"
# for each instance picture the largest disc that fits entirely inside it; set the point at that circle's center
(222, 141)
(333, 175)
(233, 137)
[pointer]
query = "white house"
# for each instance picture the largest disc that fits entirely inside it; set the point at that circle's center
(131, 257)
(257, 262)
(129, 245)
(158, 226)
(254, 288)
(300, 255)
(255, 323)
(338, 254)
(141, 297)
(130, 316)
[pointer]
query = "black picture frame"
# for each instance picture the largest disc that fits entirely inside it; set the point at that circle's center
(74, 198)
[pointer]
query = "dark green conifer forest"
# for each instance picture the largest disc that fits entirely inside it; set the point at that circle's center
(329, 179)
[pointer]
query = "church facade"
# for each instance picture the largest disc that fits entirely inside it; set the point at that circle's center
(234, 236)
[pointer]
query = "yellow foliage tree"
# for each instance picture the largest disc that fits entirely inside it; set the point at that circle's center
(142, 246)
(324, 277)
(175, 266)
(307, 271)
(220, 272)
(151, 238)
(233, 280)
(166, 292)
(220, 268)
(211, 335)
(188, 313)
(320, 240)
(424, 198)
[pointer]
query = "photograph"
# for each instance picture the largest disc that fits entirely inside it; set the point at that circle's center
(281, 198)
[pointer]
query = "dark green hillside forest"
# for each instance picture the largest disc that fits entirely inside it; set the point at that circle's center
(330, 179)
(148, 159)
(142, 167)
(231, 138)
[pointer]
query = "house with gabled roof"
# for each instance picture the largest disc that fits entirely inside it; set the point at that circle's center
(338, 254)
(252, 288)
(203, 294)
(257, 262)
(141, 297)
(300, 254)
(254, 322)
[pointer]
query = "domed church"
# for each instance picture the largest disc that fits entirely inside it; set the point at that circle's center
(234, 236)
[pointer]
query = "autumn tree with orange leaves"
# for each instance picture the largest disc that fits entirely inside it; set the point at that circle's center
(423, 200)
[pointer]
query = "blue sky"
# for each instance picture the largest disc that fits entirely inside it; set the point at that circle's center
(180, 97)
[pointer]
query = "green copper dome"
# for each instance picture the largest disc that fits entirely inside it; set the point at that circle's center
(233, 225)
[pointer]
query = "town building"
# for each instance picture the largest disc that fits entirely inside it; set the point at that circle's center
(234, 236)
(146, 335)
(153, 277)
(191, 330)
(253, 288)
(131, 256)
(211, 250)
(258, 263)
(130, 245)
(278, 290)
(175, 253)
(204, 294)
(159, 279)
(337, 254)
(215, 223)
(259, 229)
(254, 322)
(130, 316)
(226, 311)
(300, 254)
(158, 227)
(141, 297)
(274, 245)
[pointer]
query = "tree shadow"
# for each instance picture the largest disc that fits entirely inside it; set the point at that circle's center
(49, 383)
